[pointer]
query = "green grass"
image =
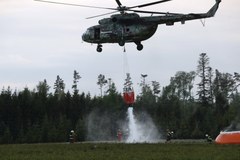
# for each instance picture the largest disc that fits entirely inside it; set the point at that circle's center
(116, 151)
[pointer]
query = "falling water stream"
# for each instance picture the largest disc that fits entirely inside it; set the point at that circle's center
(139, 132)
(133, 135)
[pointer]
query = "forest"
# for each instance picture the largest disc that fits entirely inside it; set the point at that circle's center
(204, 101)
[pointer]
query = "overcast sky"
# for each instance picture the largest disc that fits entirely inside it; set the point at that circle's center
(40, 41)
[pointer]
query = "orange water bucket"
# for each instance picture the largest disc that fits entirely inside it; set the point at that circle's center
(128, 97)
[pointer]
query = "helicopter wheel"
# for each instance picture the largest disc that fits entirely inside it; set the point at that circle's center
(139, 46)
(121, 43)
(99, 48)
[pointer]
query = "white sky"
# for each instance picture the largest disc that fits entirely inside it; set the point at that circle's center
(40, 41)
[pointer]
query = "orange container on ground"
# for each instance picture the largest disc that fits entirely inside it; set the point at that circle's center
(232, 137)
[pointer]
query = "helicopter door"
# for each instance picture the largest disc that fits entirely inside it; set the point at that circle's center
(97, 33)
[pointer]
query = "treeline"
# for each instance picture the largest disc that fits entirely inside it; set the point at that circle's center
(33, 116)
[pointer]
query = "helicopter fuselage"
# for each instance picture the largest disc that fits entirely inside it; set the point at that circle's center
(119, 29)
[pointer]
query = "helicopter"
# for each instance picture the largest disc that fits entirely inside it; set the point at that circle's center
(127, 27)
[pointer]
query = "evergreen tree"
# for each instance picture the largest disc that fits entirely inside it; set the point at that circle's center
(76, 78)
(43, 89)
(224, 85)
(147, 99)
(210, 76)
(204, 85)
(156, 87)
(111, 87)
(143, 83)
(59, 87)
(41, 99)
(236, 78)
(101, 82)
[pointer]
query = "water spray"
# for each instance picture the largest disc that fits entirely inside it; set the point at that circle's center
(137, 131)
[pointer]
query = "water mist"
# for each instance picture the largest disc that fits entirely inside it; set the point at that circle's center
(141, 132)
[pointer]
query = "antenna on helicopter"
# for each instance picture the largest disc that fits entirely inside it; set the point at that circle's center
(203, 21)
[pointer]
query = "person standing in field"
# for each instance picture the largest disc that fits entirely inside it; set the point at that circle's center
(169, 135)
(72, 137)
(119, 135)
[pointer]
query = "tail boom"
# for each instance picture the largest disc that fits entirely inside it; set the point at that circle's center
(172, 18)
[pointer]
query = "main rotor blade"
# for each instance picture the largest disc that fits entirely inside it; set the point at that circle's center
(79, 5)
(119, 3)
(152, 12)
(149, 4)
(102, 15)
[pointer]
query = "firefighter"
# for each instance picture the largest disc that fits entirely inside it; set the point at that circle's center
(72, 136)
(208, 138)
(169, 135)
(119, 135)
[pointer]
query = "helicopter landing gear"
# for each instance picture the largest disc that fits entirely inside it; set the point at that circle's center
(139, 46)
(99, 48)
(121, 43)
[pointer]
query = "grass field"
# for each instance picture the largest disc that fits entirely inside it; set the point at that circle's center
(119, 151)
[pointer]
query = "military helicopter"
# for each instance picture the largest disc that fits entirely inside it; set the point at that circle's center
(131, 27)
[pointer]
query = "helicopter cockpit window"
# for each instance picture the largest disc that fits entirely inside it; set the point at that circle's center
(87, 32)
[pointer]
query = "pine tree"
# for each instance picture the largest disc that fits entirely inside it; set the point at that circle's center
(236, 78)
(76, 78)
(59, 87)
(156, 87)
(204, 85)
(43, 88)
(111, 87)
(101, 82)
